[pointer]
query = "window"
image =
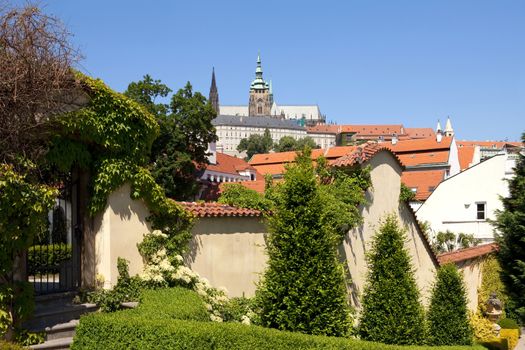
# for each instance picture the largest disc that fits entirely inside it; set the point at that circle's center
(480, 210)
(259, 110)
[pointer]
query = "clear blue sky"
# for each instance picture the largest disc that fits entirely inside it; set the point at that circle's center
(409, 62)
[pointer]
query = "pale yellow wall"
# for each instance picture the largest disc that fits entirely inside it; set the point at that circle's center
(471, 270)
(118, 230)
(229, 252)
(383, 200)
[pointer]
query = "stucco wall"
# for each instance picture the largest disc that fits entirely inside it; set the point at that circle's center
(452, 205)
(471, 270)
(384, 200)
(229, 252)
(118, 229)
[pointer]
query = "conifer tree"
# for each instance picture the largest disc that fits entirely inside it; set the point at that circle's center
(303, 287)
(447, 315)
(392, 312)
(510, 223)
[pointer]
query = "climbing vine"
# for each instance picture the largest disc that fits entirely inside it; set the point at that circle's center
(112, 138)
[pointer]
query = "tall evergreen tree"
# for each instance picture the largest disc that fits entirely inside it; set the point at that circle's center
(510, 223)
(392, 312)
(447, 315)
(303, 287)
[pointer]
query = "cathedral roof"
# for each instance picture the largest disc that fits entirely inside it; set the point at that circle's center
(257, 122)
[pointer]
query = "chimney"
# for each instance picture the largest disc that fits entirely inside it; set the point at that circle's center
(439, 136)
(394, 138)
(212, 153)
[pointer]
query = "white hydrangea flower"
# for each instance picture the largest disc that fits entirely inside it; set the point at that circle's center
(215, 318)
(246, 320)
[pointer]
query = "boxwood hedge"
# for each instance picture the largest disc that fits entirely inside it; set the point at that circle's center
(176, 319)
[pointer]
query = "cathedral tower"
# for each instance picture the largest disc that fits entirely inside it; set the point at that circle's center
(214, 94)
(260, 96)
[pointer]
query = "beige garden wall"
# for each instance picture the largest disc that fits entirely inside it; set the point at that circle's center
(471, 270)
(383, 200)
(229, 252)
(118, 229)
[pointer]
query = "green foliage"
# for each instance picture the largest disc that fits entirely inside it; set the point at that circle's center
(406, 194)
(392, 312)
(128, 330)
(146, 91)
(491, 283)
(237, 195)
(509, 323)
(256, 144)
(16, 305)
(10, 346)
(447, 315)
(510, 223)
(172, 303)
(237, 308)
(127, 289)
(482, 328)
(47, 258)
(448, 241)
(303, 287)
(182, 143)
(289, 143)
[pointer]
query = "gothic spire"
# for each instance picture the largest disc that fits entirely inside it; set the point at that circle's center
(214, 93)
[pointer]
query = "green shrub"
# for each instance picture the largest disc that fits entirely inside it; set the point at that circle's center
(173, 303)
(447, 315)
(303, 288)
(392, 313)
(10, 346)
(509, 323)
(47, 258)
(237, 195)
(491, 283)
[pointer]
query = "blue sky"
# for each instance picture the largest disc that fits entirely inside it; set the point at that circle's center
(409, 62)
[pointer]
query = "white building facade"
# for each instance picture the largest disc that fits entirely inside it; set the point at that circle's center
(232, 129)
(467, 201)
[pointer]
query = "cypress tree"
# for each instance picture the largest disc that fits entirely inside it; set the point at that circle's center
(447, 315)
(510, 223)
(391, 313)
(303, 286)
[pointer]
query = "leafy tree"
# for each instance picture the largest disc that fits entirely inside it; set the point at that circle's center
(285, 144)
(303, 287)
(448, 241)
(240, 196)
(184, 135)
(146, 91)
(406, 194)
(306, 141)
(288, 143)
(392, 312)
(256, 144)
(510, 223)
(448, 314)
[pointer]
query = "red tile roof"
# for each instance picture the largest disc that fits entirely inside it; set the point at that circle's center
(323, 129)
(465, 155)
(272, 169)
(424, 181)
(228, 164)
(361, 154)
(420, 133)
(488, 144)
(257, 185)
(422, 158)
(211, 209)
(373, 130)
(468, 253)
(289, 157)
(428, 144)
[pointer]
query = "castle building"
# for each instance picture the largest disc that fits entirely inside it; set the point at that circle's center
(261, 103)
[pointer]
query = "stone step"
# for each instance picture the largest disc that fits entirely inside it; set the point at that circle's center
(55, 344)
(57, 314)
(62, 330)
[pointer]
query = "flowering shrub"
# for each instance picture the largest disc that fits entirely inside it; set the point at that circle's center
(163, 270)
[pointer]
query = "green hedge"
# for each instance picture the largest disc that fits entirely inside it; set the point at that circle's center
(121, 330)
(47, 258)
(172, 319)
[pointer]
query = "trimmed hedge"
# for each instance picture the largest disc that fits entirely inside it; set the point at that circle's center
(47, 258)
(509, 323)
(172, 319)
(121, 330)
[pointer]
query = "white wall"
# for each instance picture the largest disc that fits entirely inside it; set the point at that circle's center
(452, 205)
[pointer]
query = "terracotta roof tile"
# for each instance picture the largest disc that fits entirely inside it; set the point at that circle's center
(421, 158)
(420, 133)
(272, 169)
(489, 144)
(424, 181)
(373, 130)
(323, 129)
(289, 157)
(362, 153)
(465, 155)
(428, 144)
(228, 164)
(212, 209)
(468, 253)
(257, 185)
